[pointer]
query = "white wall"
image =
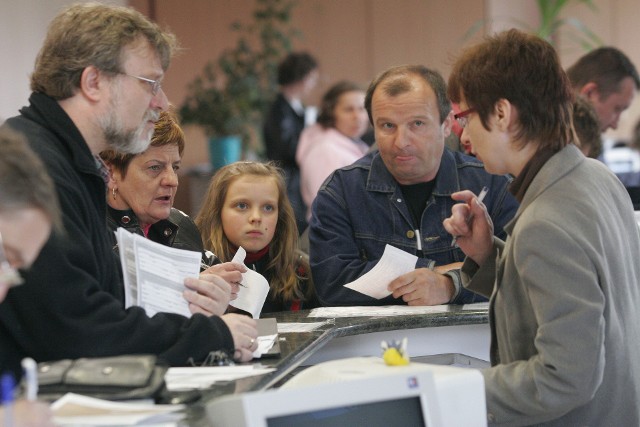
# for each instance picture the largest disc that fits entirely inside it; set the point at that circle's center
(23, 25)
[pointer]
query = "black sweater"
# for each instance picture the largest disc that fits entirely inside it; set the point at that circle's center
(72, 303)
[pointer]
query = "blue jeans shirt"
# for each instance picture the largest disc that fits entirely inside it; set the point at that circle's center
(360, 209)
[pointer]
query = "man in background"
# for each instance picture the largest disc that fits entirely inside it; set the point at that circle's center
(608, 80)
(287, 117)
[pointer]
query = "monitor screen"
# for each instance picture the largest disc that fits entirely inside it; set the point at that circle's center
(406, 412)
(361, 392)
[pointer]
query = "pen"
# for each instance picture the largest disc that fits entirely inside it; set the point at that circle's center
(7, 384)
(418, 240)
(31, 378)
(483, 193)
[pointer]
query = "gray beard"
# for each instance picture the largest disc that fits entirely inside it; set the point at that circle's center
(128, 142)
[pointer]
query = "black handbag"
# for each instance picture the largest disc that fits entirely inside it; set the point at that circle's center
(112, 378)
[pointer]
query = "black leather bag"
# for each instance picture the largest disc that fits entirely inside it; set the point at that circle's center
(112, 378)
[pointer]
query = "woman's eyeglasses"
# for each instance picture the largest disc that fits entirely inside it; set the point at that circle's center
(8, 275)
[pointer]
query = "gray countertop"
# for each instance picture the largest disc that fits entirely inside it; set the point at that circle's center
(295, 348)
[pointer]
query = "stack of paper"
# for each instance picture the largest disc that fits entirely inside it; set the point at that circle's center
(77, 410)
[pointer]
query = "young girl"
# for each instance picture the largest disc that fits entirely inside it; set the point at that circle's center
(247, 205)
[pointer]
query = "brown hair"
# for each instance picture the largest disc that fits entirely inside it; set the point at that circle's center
(92, 34)
(396, 81)
(283, 249)
(24, 182)
(526, 71)
(167, 131)
(295, 67)
(606, 67)
(326, 117)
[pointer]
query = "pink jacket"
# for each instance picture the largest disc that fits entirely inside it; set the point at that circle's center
(320, 152)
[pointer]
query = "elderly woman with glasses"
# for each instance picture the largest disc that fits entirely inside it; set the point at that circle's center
(142, 188)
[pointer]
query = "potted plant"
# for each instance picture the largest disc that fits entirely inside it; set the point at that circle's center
(551, 22)
(230, 98)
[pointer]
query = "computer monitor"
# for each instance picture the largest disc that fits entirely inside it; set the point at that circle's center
(361, 392)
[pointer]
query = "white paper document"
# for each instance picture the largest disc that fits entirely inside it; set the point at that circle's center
(394, 262)
(205, 377)
(265, 343)
(78, 410)
(477, 306)
(154, 273)
(284, 328)
(384, 310)
(253, 291)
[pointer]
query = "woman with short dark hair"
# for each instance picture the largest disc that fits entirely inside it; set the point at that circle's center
(564, 285)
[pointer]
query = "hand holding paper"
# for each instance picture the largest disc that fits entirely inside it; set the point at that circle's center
(394, 262)
(253, 291)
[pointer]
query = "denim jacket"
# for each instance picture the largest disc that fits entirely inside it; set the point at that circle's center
(360, 209)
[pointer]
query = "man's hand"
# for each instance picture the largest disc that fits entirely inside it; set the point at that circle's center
(423, 287)
(209, 295)
(245, 335)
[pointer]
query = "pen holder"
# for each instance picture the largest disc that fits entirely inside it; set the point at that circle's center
(395, 353)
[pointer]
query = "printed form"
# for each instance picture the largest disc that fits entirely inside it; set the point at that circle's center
(154, 273)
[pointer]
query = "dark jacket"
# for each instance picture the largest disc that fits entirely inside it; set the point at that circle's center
(360, 209)
(282, 129)
(177, 231)
(72, 303)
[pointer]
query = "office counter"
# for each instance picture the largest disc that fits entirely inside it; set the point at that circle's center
(455, 331)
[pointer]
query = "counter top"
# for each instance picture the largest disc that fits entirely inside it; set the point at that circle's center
(296, 348)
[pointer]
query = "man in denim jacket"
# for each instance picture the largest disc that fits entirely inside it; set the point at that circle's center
(387, 195)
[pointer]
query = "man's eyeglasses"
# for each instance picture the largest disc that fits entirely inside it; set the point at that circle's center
(155, 84)
(8, 274)
(462, 118)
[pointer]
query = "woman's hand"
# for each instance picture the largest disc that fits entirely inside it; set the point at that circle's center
(209, 295)
(231, 272)
(245, 335)
(470, 222)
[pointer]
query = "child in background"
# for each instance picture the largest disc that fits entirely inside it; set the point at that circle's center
(247, 205)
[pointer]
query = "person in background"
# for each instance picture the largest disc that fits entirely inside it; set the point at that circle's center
(297, 76)
(335, 141)
(28, 211)
(383, 198)
(564, 317)
(585, 122)
(608, 80)
(97, 86)
(247, 205)
(630, 177)
(140, 196)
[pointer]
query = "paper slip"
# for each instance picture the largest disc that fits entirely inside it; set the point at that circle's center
(370, 311)
(254, 291)
(154, 273)
(265, 343)
(78, 410)
(476, 306)
(284, 328)
(205, 377)
(394, 262)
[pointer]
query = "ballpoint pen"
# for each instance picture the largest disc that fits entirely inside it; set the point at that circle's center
(31, 378)
(483, 193)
